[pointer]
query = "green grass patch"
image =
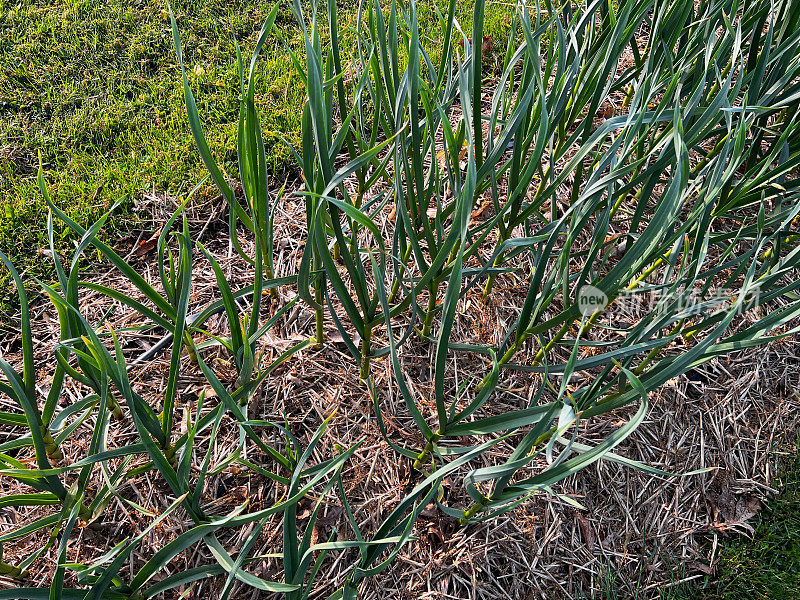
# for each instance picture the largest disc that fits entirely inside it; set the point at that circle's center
(766, 566)
(95, 88)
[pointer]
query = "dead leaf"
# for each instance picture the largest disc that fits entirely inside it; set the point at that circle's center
(331, 516)
(487, 44)
(729, 511)
(477, 213)
(694, 565)
(588, 532)
(148, 245)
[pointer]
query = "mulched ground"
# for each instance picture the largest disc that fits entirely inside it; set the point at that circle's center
(639, 533)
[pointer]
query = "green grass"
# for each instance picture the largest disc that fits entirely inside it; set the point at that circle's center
(95, 88)
(766, 566)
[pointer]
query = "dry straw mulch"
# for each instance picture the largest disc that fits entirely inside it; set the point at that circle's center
(639, 532)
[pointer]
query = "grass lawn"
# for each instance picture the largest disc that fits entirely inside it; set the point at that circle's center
(766, 566)
(95, 88)
(763, 566)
